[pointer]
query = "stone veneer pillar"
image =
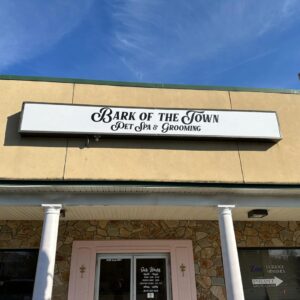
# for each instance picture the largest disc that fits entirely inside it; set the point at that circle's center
(45, 266)
(232, 273)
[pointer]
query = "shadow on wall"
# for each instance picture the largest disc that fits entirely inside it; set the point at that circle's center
(13, 138)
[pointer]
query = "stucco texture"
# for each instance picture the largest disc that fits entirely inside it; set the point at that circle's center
(29, 158)
(266, 162)
(126, 159)
(152, 160)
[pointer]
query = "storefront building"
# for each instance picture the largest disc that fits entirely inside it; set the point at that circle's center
(207, 209)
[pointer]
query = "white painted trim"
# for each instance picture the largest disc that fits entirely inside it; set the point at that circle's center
(140, 199)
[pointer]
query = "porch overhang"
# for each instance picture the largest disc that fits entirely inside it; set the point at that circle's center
(141, 200)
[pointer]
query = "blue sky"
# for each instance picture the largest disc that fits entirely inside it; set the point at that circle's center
(248, 43)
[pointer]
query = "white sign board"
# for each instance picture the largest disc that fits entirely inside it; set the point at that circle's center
(267, 281)
(64, 119)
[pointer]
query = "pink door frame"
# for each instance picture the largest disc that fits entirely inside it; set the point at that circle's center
(83, 264)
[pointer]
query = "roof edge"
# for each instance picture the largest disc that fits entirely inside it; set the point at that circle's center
(147, 85)
(147, 184)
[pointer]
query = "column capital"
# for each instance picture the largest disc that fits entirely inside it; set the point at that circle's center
(52, 208)
(226, 205)
(225, 209)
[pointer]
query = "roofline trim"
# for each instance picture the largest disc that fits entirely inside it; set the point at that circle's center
(147, 185)
(70, 195)
(147, 85)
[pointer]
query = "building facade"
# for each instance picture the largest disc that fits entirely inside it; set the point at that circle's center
(88, 216)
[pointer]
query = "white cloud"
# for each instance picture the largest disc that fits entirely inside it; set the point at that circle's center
(153, 35)
(28, 28)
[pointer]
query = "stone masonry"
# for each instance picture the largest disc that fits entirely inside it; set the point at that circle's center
(204, 234)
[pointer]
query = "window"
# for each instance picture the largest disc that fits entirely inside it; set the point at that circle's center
(270, 274)
(17, 272)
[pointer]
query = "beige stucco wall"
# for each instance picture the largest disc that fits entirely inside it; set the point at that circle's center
(204, 235)
(272, 163)
(151, 160)
(29, 158)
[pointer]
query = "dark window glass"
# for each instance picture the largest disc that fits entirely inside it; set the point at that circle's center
(270, 274)
(151, 281)
(17, 272)
(115, 279)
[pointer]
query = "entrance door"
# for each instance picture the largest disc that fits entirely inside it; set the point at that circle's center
(132, 277)
(132, 270)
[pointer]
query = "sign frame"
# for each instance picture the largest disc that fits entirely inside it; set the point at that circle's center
(145, 136)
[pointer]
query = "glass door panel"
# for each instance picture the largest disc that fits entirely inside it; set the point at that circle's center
(114, 279)
(151, 278)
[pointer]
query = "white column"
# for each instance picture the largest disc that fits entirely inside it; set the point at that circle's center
(233, 279)
(45, 266)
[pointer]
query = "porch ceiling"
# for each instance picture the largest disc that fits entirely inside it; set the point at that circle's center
(142, 201)
(145, 213)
